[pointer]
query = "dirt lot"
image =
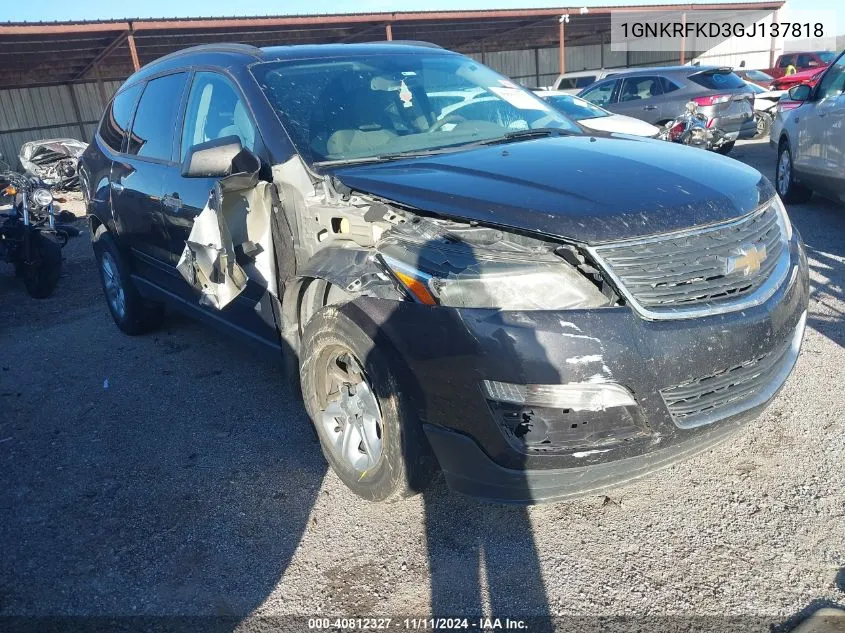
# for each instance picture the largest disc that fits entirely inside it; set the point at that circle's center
(175, 474)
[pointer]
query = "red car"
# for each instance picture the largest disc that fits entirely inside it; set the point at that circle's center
(809, 77)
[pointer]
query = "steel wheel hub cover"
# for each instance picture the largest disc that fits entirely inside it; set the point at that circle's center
(352, 418)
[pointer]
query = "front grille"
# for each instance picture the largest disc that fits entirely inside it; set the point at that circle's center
(733, 390)
(690, 273)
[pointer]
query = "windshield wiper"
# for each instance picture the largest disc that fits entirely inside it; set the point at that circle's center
(355, 161)
(524, 135)
(383, 158)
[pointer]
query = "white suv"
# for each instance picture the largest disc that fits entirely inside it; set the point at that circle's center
(573, 83)
(811, 138)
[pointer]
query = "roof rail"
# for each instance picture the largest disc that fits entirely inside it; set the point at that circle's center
(223, 47)
(407, 43)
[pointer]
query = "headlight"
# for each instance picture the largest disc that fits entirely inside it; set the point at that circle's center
(457, 276)
(42, 197)
(783, 216)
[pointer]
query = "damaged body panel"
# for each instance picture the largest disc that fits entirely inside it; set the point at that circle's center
(469, 287)
(55, 161)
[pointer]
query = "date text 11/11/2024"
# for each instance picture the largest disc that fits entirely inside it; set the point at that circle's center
(418, 624)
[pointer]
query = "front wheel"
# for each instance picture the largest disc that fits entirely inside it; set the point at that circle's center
(369, 434)
(785, 183)
(41, 273)
(725, 148)
(764, 124)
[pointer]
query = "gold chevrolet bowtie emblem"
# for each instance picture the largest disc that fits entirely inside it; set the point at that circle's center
(748, 261)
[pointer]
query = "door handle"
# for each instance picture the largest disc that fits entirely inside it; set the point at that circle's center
(117, 187)
(172, 201)
(649, 107)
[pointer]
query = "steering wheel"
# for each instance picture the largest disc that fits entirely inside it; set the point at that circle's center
(449, 118)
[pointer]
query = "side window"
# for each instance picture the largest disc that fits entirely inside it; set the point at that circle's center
(215, 110)
(600, 94)
(155, 122)
(567, 83)
(639, 88)
(786, 60)
(668, 85)
(833, 82)
(118, 116)
(583, 82)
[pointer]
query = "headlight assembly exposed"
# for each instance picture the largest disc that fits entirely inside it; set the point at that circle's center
(42, 197)
(460, 276)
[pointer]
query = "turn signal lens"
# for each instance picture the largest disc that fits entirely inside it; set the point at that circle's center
(412, 280)
(417, 288)
(10, 191)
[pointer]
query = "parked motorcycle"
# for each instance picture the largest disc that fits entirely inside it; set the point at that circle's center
(33, 232)
(690, 128)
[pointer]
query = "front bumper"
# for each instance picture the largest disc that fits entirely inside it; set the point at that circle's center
(445, 354)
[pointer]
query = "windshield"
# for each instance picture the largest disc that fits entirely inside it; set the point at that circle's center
(758, 75)
(576, 108)
(827, 57)
(337, 109)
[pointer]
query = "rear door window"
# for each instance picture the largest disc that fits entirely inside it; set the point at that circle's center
(640, 88)
(668, 85)
(154, 128)
(118, 116)
(718, 80)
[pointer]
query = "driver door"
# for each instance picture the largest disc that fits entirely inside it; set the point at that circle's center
(819, 124)
(215, 109)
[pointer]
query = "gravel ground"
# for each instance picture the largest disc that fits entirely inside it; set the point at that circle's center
(175, 474)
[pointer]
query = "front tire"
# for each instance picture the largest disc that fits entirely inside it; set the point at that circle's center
(41, 276)
(788, 189)
(764, 124)
(368, 431)
(726, 148)
(130, 311)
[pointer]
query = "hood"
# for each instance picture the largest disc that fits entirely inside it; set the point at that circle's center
(620, 124)
(586, 189)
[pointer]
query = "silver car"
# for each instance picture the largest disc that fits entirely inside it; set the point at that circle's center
(810, 138)
(658, 95)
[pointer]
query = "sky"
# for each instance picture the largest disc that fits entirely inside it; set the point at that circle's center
(53, 10)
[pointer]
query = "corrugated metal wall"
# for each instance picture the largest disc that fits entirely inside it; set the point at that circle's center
(29, 114)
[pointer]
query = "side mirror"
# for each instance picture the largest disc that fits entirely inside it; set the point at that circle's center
(219, 158)
(800, 92)
(742, 64)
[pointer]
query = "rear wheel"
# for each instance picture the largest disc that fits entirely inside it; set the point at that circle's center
(785, 183)
(369, 434)
(130, 311)
(41, 274)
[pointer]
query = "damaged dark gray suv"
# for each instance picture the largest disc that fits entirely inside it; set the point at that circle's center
(489, 291)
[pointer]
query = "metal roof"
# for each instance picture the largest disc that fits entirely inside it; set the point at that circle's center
(41, 53)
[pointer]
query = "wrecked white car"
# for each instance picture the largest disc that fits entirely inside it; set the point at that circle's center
(54, 161)
(535, 310)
